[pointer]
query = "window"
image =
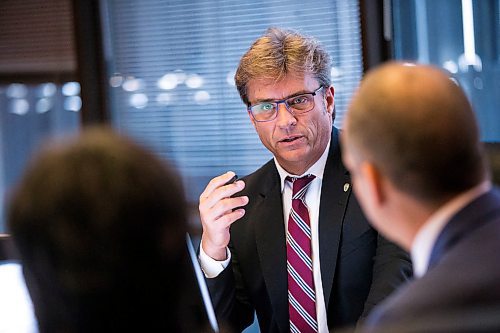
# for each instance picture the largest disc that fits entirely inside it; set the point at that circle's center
(172, 65)
(461, 36)
(30, 114)
(39, 97)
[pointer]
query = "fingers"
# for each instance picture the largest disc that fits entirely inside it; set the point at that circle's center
(224, 211)
(216, 193)
(216, 182)
(224, 221)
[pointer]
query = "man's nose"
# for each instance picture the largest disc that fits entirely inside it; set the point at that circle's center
(285, 115)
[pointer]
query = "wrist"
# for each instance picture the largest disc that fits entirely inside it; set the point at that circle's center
(215, 252)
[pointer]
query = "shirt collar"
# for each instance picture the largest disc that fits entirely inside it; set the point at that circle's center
(317, 169)
(428, 233)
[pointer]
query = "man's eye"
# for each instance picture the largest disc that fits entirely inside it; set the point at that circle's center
(266, 107)
(298, 100)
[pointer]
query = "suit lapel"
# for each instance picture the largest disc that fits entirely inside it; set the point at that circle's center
(333, 202)
(271, 246)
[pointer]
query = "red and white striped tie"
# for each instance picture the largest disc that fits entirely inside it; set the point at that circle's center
(301, 291)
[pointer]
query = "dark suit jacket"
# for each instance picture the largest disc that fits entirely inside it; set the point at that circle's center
(358, 268)
(461, 290)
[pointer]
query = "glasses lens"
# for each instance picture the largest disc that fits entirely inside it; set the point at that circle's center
(263, 111)
(301, 103)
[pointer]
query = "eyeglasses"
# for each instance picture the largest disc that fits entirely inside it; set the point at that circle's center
(296, 105)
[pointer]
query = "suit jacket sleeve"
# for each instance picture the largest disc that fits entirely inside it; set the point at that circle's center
(391, 268)
(229, 299)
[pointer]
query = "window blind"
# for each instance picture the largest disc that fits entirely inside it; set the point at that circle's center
(36, 39)
(172, 65)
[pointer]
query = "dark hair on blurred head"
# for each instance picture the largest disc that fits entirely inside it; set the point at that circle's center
(99, 222)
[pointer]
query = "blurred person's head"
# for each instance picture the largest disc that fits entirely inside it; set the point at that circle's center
(411, 143)
(100, 222)
(284, 80)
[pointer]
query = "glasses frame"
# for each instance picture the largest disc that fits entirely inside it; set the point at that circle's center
(284, 101)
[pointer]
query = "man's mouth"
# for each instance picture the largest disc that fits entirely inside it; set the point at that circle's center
(290, 139)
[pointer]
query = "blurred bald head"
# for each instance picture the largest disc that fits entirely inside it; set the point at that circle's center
(417, 127)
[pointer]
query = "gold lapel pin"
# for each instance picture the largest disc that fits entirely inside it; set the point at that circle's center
(346, 187)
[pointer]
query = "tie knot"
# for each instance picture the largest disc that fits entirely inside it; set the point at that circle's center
(300, 184)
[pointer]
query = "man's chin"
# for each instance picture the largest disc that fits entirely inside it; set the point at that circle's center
(293, 161)
(293, 156)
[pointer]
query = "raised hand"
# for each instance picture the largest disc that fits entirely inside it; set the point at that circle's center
(218, 210)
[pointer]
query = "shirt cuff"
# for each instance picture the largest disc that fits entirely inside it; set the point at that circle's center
(211, 267)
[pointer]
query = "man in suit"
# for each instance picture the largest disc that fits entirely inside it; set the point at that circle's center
(284, 79)
(99, 223)
(411, 143)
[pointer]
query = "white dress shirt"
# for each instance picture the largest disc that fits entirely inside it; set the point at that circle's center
(212, 267)
(427, 235)
(312, 199)
(16, 308)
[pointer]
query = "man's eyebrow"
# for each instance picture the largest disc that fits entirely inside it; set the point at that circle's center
(297, 93)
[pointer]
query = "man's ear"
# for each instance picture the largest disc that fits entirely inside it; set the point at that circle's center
(374, 182)
(330, 100)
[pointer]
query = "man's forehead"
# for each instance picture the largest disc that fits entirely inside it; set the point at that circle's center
(262, 89)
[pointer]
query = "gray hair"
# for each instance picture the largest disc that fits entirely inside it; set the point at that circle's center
(280, 52)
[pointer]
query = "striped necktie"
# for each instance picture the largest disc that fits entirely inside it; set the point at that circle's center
(301, 291)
